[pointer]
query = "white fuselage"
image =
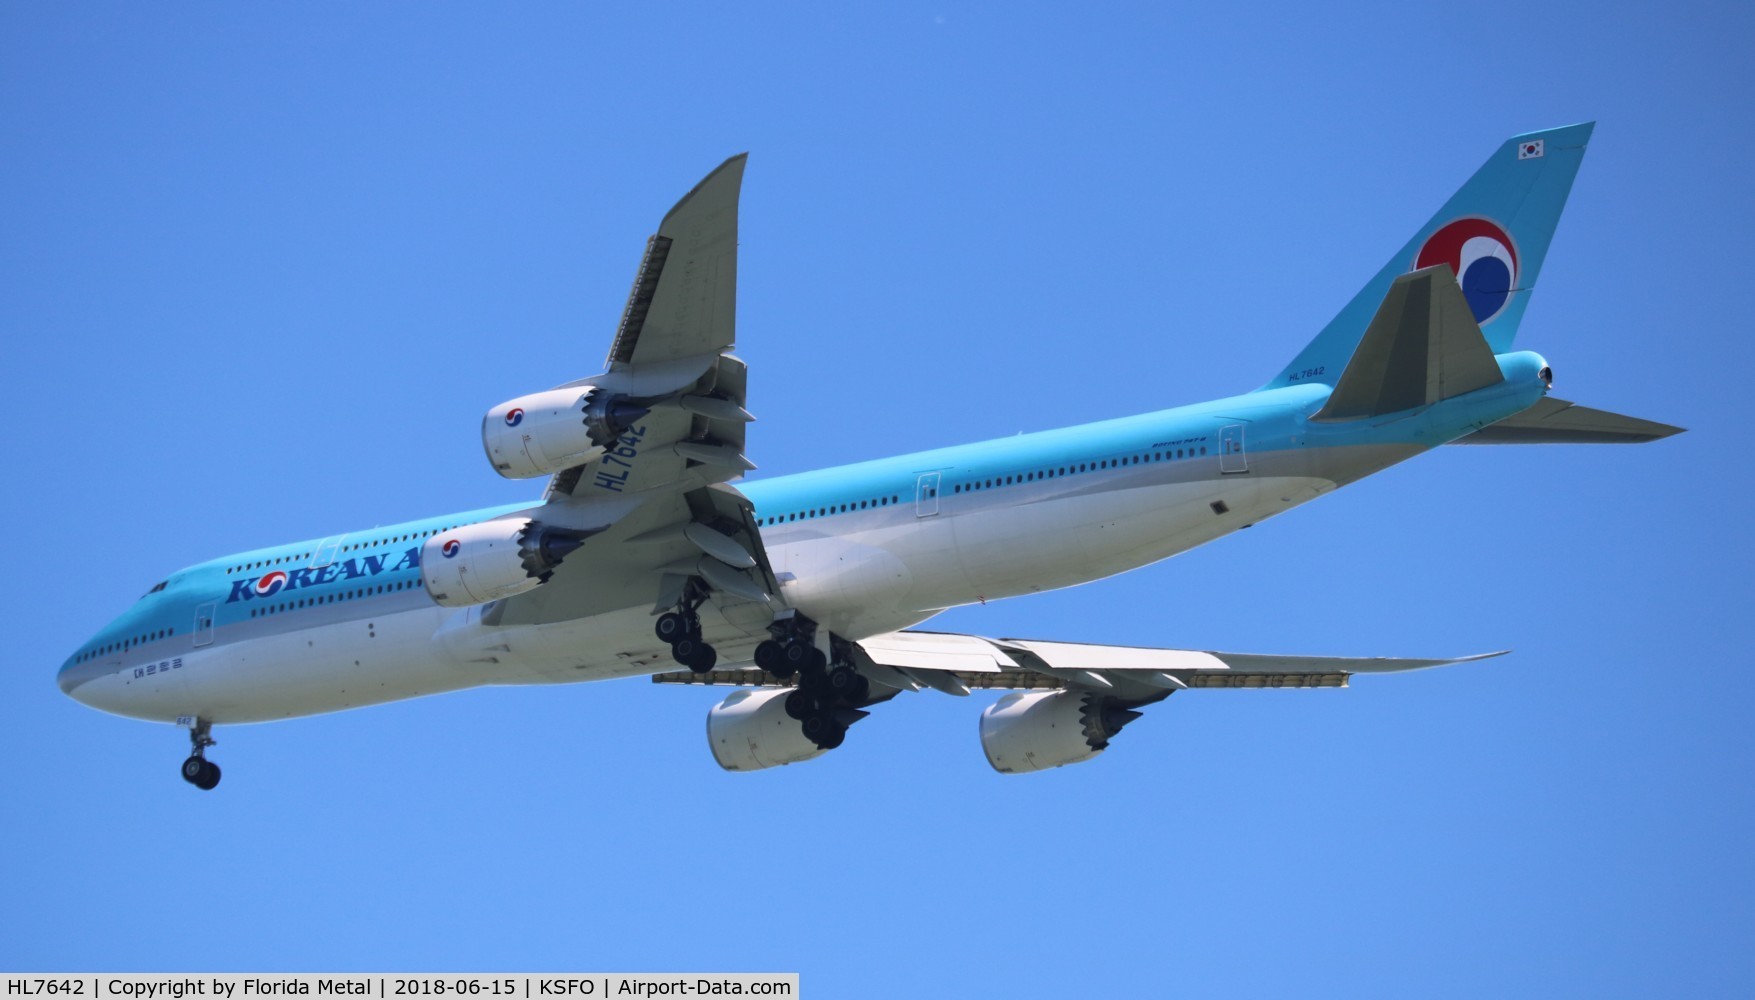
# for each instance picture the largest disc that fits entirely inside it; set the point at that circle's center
(876, 571)
(319, 627)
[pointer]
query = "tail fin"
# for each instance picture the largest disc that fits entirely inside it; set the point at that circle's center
(1494, 233)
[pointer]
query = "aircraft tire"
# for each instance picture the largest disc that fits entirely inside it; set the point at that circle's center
(793, 655)
(813, 682)
(821, 728)
(694, 654)
(670, 627)
(200, 772)
(771, 656)
(800, 703)
(705, 660)
(849, 684)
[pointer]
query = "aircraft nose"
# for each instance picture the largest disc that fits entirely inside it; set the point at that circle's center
(73, 676)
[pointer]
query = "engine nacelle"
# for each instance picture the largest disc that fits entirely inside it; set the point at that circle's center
(750, 730)
(1037, 730)
(484, 562)
(545, 432)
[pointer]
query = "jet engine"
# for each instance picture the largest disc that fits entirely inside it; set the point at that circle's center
(750, 730)
(545, 432)
(1037, 730)
(484, 562)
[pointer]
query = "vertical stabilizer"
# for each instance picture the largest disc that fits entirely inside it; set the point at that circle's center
(1494, 233)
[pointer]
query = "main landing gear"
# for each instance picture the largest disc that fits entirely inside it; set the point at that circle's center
(198, 770)
(792, 651)
(682, 629)
(827, 693)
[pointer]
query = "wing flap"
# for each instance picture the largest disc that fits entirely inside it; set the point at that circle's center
(1146, 672)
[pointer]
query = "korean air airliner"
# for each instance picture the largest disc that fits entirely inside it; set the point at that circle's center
(649, 553)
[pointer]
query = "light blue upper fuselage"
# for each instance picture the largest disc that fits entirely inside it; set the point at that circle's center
(378, 569)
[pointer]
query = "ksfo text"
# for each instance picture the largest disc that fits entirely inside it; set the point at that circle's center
(659, 987)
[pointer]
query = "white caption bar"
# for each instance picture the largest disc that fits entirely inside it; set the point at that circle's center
(394, 985)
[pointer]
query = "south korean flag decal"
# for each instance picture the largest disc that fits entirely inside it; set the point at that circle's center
(1529, 149)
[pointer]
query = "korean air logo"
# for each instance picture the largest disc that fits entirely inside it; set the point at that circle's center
(1484, 259)
(270, 584)
(514, 417)
(450, 548)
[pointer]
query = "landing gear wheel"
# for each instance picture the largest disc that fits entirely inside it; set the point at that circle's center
(849, 684)
(671, 626)
(814, 683)
(800, 704)
(771, 656)
(822, 729)
(694, 654)
(793, 655)
(202, 773)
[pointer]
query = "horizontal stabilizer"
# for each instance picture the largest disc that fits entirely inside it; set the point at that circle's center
(1557, 421)
(1423, 346)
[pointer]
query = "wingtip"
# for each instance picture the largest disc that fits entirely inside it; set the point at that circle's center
(732, 166)
(1480, 656)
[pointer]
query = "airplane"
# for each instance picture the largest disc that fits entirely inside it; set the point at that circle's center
(804, 593)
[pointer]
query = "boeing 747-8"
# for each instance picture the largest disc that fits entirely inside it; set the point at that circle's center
(805, 593)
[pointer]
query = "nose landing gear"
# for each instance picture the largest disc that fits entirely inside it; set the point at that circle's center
(198, 770)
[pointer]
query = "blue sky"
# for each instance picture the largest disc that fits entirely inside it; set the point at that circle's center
(263, 269)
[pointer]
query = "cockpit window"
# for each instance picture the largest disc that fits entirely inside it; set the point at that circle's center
(157, 587)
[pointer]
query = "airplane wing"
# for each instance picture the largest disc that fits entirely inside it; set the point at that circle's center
(684, 300)
(655, 507)
(674, 339)
(954, 664)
